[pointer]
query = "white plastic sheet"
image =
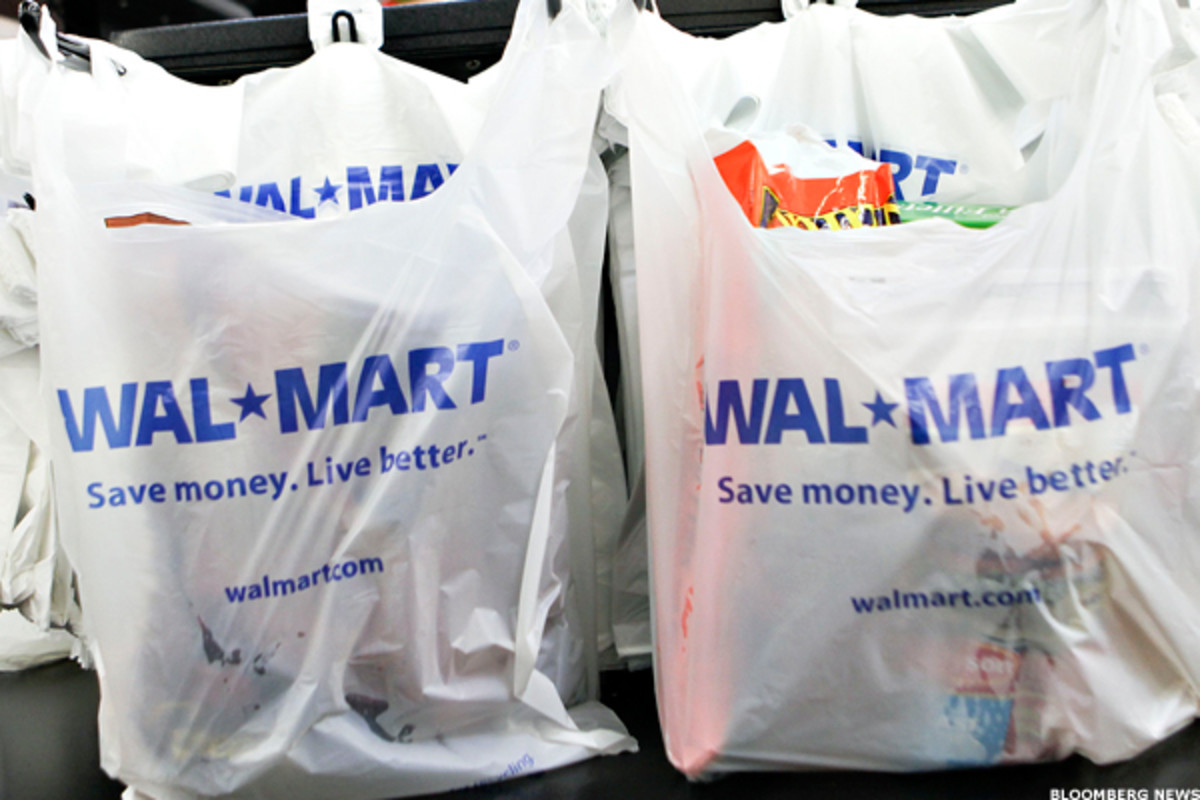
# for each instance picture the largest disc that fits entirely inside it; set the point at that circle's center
(24, 645)
(35, 576)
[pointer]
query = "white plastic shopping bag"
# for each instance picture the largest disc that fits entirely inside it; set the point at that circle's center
(884, 91)
(35, 575)
(921, 495)
(311, 472)
(36, 579)
(345, 130)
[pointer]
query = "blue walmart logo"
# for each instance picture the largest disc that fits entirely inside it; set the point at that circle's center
(360, 187)
(928, 169)
(427, 379)
(1077, 389)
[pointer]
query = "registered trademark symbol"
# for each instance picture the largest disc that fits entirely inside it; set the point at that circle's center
(514, 345)
(1143, 348)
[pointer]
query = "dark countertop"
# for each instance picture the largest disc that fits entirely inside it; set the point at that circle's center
(49, 751)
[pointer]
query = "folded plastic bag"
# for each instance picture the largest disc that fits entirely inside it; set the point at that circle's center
(35, 576)
(23, 645)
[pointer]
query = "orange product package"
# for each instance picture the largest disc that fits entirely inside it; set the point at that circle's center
(776, 197)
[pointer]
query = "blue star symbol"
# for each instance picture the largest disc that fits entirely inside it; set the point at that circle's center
(251, 403)
(328, 192)
(881, 411)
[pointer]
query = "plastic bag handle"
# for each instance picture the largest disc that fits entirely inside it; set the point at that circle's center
(351, 26)
(793, 7)
(363, 20)
(30, 17)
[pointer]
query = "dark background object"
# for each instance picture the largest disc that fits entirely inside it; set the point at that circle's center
(49, 751)
(49, 748)
(102, 18)
(212, 41)
(457, 39)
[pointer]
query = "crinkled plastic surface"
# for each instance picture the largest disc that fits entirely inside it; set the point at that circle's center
(314, 472)
(35, 575)
(24, 645)
(924, 496)
(887, 99)
(347, 129)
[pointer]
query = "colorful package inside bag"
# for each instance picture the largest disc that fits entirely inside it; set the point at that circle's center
(799, 181)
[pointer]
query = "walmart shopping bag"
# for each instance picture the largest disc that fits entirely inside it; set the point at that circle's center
(954, 106)
(921, 495)
(309, 473)
(341, 132)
